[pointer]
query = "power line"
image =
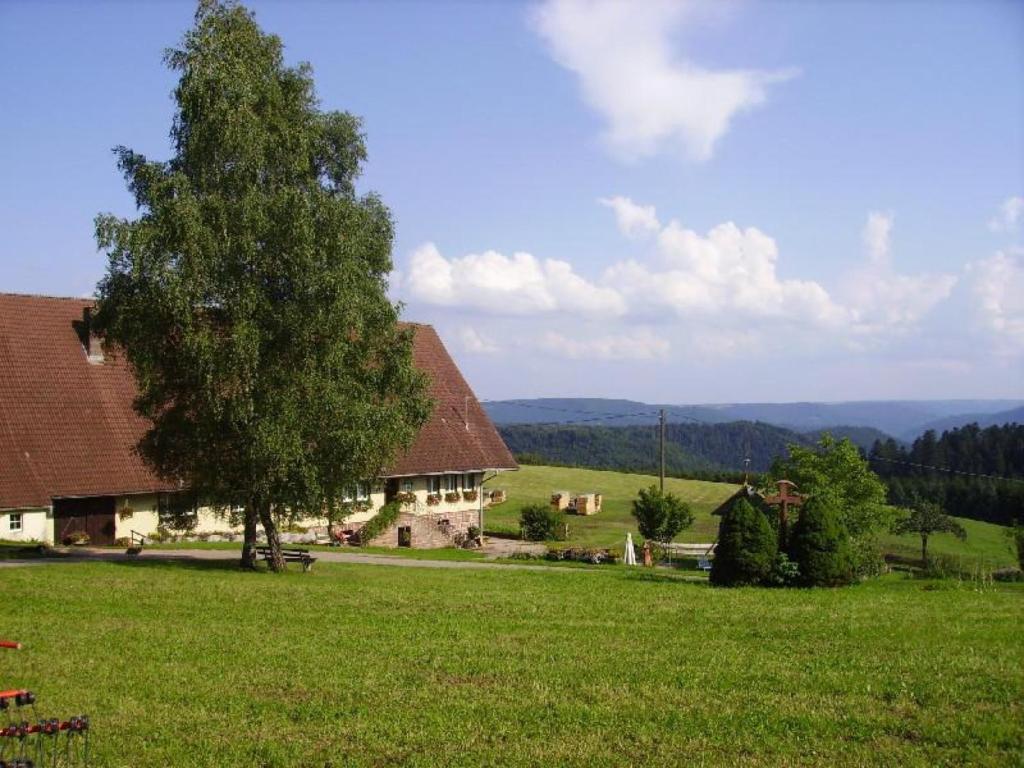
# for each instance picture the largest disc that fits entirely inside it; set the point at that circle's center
(950, 470)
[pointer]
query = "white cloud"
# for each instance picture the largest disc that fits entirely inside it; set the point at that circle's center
(724, 285)
(651, 96)
(475, 342)
(998, 287)
(1009, 215)
(493, 282)
(633, 220)
(883, 300)
(641, 344)
(727, 272)
(876, 237)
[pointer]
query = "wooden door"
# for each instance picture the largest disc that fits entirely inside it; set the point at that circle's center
(93, 515)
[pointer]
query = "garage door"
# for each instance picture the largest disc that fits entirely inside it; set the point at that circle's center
(94, 516)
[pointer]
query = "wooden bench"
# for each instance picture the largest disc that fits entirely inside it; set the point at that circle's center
(289, 556)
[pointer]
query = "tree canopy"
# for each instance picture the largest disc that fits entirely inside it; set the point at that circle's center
(820, 544)
(249, 294)
(747, 547)
(837, 469)
(660, 516)
(926, 518)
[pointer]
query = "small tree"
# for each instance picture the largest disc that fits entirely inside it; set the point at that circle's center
(661, 516)
(540, 522)
(746, 547)
(926, 518)
(820, 544)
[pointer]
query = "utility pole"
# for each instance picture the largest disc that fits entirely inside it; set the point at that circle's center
(662, 420)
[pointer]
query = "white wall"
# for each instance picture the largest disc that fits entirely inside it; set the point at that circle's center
(36, 525)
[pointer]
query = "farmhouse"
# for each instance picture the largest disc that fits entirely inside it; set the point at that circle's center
(68, 435)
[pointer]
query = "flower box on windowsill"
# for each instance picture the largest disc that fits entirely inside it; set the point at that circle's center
(433, 499)
(451, 497)
(469, 495)
(407, 497)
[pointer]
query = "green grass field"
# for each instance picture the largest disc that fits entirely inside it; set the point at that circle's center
(534, 485)
(202, 665)
(986, 546)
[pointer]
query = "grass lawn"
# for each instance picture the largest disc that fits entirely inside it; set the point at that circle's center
(202, 665)
(532, 484)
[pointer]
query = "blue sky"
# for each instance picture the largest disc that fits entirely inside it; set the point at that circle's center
(800, 200)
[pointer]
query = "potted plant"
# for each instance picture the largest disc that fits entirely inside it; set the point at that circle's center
(125, 512)
(470, 495)
(406, 497)
(451, 497)
(433, 499)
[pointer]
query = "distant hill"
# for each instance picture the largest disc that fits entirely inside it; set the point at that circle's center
(1012, 416)
(862, 437)
(904, 418)
(689, 448)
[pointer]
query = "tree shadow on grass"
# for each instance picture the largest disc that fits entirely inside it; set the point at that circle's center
(182, 563)
(665, 578)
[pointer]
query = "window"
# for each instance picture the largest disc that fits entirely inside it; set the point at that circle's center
(178, 511)
(407, 485)
(469, 481)
(357, 492)
(451, 483)
(14, 521)
(434, 484)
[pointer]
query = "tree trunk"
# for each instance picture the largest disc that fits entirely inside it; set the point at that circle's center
(924, 550)
(249, 537)
(273, 540)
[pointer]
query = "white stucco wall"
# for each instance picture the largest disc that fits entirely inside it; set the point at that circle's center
(36, 525)
(140, 513)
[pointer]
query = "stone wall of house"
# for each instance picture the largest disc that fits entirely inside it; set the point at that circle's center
(429, 531)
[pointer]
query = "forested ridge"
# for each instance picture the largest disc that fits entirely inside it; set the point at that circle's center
(689, 448)
(963, 455)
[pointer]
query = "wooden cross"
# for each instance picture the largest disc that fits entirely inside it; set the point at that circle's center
(783, 500)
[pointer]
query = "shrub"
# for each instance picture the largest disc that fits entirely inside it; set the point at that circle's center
(540, 522)
(661, 516)
(820, 545)
(376, 525)
(784, 573)
(746, 547)
(80, 538)
(473, 532)
(122, 541)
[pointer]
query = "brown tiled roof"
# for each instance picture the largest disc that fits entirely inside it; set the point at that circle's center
(459, 435)
(67, 427)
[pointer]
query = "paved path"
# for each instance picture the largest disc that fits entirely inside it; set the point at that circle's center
(93, 554)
